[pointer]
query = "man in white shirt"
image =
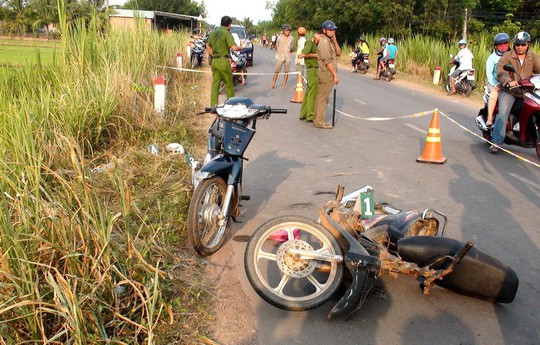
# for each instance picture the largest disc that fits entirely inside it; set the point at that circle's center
(301, 43)
(464, 60)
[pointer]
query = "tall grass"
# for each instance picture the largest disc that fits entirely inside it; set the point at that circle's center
(81, 256)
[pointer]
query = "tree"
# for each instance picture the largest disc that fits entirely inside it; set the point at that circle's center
(172, 6)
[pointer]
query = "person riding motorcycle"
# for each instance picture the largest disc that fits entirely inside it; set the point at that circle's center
(525, 63)
(501, 43)
(382, 53)
(358, 54)
(464, 60)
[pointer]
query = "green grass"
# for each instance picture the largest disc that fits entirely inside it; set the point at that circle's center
(28, 51)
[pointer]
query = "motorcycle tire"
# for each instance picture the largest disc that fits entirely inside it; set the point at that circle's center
(193, 60)
(486, 135)
(205, 235)
(477, 274)
(467, 89)
(536, 138)
(448, 86)
(283, 280)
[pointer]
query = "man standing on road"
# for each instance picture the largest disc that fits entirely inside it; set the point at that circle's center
(327, 51)
(309, 54)
(284, 47)
(526, 63)
(219, 43)
(300, 64)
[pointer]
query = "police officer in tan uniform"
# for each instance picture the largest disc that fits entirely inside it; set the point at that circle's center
(327, 51)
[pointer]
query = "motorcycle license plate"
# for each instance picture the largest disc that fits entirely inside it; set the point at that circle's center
(470, 75)
(366, 59)
(391, 65)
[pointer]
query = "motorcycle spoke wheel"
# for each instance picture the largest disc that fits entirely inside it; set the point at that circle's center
(205, 233)
(284, 279)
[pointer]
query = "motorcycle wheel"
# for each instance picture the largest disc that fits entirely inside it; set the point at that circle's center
(537, 140)
(283, 280)
(467, 89)
(206, 236)
(448, 86)
(193, 60)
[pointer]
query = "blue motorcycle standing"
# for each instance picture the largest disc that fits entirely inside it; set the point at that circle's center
(218, 183)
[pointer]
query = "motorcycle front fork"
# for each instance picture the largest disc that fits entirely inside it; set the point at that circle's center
(224, 214)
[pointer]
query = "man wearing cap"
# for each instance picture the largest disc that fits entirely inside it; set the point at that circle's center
(219, 43)
(284, 47)
(464, 59)
(328, 50)
(526, 63)
(300, 64)
(309, 54)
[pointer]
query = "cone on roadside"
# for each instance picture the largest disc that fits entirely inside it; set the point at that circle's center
(432, 149)
(299, 90)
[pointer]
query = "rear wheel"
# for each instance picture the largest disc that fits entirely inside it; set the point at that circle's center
(448, 85)
(205, 234)
(537, 140)
(193, 60)
(467, 89)
(284, 279)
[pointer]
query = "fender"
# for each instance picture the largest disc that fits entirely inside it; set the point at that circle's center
(228, 167)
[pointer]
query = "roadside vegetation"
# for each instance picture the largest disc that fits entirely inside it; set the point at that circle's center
(93, 245)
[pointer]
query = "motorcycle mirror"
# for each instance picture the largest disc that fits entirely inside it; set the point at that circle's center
(509, 68)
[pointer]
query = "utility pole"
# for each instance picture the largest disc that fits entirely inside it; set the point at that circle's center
(465, 26)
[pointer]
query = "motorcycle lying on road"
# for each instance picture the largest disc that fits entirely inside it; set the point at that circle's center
(522, 128)
(218, 183)
(464, 83)
(297, 264)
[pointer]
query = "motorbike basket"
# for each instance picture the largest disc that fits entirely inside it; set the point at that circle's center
(236, 138)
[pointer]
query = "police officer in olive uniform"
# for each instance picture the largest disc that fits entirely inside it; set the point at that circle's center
(218, 46)
(327, 51)
(309, 54)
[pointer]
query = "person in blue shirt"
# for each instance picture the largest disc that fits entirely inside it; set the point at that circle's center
(392, 50)
(501, 43)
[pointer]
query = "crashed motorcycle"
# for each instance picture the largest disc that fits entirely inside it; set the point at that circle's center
(522, 128)
(464, 83)
(297, 264)
(218, 183)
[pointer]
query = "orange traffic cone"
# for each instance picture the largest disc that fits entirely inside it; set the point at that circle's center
(432, 149)
(299, 90)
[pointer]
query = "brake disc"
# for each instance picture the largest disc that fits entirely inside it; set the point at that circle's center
(293, 265)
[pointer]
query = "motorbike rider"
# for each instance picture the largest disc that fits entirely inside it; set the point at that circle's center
(219, 43)
(392, 50)
(236, 57)
(464, 61)
(526, 63)
(358, 54)
(382, 54)
(501, 43)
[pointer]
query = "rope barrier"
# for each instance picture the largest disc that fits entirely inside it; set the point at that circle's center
(415, 115)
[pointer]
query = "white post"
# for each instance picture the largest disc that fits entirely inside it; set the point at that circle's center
(160, 91)
(436, 75)
(179, 60)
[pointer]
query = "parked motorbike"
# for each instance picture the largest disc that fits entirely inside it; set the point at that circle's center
(522, 128)
(389, 70)
(360, 62)
(198, 47)
(297, 264)
(239, 67)
(218, 183)
(464, 83)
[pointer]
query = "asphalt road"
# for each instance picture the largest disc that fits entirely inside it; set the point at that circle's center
(493, 200)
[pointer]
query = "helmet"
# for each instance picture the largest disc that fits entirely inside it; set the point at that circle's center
(382, 40)
(329, 25)
(390, 40)
(301, 30)
(461, 42)
(522, 37)
(286, 27)
(501, 38)
(362, 39)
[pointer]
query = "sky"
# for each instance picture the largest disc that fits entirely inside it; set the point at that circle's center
(252, 9)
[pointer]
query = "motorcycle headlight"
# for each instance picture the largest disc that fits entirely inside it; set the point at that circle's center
(249, 44)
